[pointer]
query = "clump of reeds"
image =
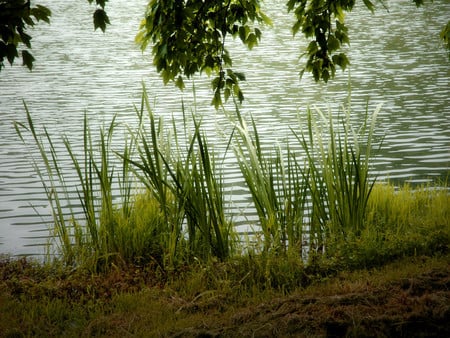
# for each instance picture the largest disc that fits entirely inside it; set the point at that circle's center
(337, 173)
(277, 188)
(179, 217)
(160, 200)
(186, 173)
(93, 237)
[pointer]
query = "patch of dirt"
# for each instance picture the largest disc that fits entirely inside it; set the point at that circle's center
(24, 278)
(413, 307)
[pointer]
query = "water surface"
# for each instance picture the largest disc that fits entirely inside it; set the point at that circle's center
(396, 59)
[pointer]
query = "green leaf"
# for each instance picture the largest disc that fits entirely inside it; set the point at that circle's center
(325, 75)
(296, 27)
(25, 38)
(215, 83)
(242, 34)
(251, 41)
(230, 82)
(240, 96)
(341, 33)
(28, 20)
(41, 13)
(240, 76)
(217, 100)
(316, 70)
(313, 48)
(333, 43)
(166, 75)
(180, 83)
(341, 60)
(265, 19)
(11, 52)
(226, 93)
(227, 60)
(27, 59)
(258, 33)
(369, 5)
(100, 19)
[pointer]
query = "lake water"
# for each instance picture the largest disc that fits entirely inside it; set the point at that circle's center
(397, 59)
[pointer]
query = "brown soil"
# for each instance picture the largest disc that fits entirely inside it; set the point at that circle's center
(411, 307)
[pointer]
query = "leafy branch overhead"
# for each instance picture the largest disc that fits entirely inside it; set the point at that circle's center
(18, 15)
(15, 17)
(189, 37)
(323, 23)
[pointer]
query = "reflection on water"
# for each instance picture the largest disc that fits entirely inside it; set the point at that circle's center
(395, 60)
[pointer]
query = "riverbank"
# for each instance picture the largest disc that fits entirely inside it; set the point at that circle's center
(409, 297)
(371, 259)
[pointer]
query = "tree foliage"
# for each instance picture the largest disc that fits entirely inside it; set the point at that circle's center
(190, 36)
(323, 23)
(18, 15)
(15, 17)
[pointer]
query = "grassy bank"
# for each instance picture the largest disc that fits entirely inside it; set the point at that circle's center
(334, 252)
(405, 298)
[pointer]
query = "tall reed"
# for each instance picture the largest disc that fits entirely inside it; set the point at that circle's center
(199, 187)
(153, 149)
(96, 237)
(338, 173)
(50, 175)
(170, 209)
(184, 172)
(277, 189)
(183, 202)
